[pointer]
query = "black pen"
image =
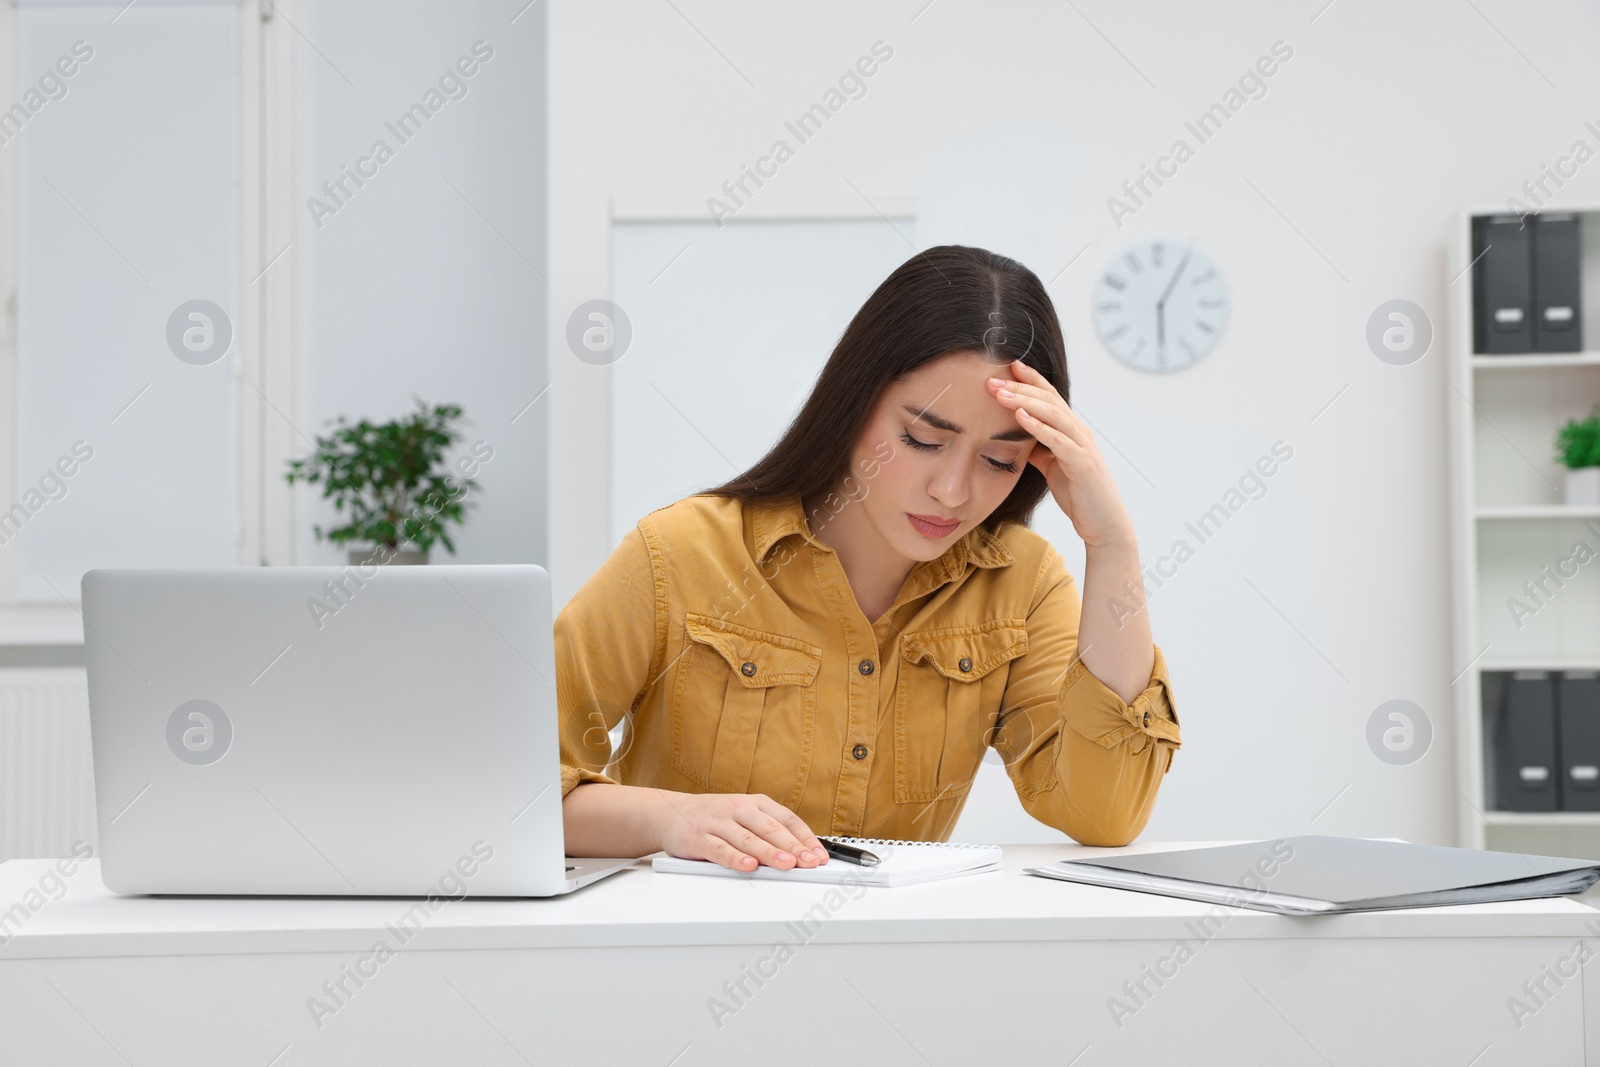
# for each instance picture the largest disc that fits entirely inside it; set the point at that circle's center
(849, 853)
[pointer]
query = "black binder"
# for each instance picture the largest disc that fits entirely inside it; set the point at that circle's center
(1579, 704)
(1557, 285)
(1525, 750)
(1502, 284)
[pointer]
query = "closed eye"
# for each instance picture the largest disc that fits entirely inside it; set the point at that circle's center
(1004, 468)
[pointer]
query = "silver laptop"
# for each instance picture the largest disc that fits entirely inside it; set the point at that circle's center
(328, 731)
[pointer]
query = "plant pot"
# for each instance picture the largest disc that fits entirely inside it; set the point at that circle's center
(373, 557)
(1583, 485)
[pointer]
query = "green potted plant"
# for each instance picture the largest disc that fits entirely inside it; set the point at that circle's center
(1578, 446)
(391, 480)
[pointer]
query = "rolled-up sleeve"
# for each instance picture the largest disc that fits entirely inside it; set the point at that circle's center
(608, 641)
(1081, 759)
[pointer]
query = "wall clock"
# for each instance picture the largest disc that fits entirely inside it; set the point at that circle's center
(1160, 306)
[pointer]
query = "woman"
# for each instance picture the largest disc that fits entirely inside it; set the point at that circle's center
(829, 642)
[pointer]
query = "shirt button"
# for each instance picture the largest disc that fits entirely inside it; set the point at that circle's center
(1147, 718)
(865, 667)
(748, 670)
(965, 664)
(859, 752)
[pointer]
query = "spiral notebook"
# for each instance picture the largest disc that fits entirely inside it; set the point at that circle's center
(900, 863)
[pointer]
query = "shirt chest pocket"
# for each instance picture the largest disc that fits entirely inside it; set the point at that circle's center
(946, 704)
(744, 709)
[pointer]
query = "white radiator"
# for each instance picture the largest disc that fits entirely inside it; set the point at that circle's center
(46, 774)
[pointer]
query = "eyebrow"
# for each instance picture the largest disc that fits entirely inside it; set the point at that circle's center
(939, 423)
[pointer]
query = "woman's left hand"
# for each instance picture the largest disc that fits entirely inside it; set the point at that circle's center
(1066, 453)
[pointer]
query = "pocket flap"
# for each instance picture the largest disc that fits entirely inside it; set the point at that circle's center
(966, 653)
(757, 659)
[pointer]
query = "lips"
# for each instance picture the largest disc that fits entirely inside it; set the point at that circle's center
(932, 525)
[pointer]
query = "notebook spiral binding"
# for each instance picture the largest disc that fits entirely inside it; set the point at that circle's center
(893, 841)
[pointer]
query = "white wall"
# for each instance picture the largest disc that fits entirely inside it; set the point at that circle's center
(730, 327)
(1009, 125)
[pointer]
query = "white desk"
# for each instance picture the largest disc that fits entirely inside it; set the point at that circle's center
(1003, 966)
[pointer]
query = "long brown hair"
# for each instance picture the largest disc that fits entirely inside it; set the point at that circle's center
(950, 298)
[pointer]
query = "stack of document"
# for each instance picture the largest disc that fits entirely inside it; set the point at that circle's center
(1315, 875)
(899, 863)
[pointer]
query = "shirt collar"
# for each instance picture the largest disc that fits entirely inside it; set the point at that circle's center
(772, 521)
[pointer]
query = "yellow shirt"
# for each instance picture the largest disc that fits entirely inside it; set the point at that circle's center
(728, 638)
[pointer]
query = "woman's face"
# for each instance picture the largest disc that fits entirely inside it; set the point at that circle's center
(953, 455)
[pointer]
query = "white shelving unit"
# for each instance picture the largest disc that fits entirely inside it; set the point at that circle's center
(1508, 522)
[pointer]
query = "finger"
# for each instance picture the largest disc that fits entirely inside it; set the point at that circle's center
(1022, 387)
(1042, 392)
(1045, 393)
(720, 851)
(1035, 384)
(1059, 443)
(776, 834)
(1049, 407)
(805, 839)
(751, 843)
(1043, 458)
(1054, 415)
(1026, 373)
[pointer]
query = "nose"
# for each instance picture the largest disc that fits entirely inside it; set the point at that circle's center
(951, 483)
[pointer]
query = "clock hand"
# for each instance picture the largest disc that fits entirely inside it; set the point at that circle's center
(1174, 280)
(1161, 303)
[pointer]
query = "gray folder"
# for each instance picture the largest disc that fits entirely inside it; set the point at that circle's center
(1526, 745)
(1316, 875)
(1579, 729)
(1502, 284)
(1557, 283)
